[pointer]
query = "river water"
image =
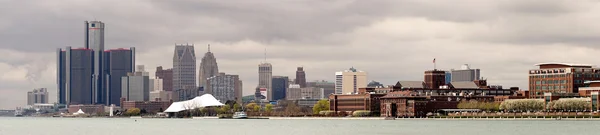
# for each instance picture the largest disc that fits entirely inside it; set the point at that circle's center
(126, 126)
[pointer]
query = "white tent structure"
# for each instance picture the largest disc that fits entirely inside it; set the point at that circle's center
(198, 102)
(79, 112)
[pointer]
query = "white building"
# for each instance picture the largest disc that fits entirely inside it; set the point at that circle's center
(465, 74)
(265, 78)
(348, 81)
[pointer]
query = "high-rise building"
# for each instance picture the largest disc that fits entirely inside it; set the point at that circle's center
(265, 78)
(37, 96)
(94, 40)
(117, 63)
(74, 76)
(465, 74)
(135, 86)
(208, 68)
(167, 77)
(294, 92)
(348, 81)
(435, 78)
(301, 77)
(184, 67)
(280, 85)
(328, 87)
(225, 87)
(158, 93)
(560, 78)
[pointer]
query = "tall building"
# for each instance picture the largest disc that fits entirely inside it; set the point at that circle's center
(348, 81)
(265, 78)
(560, 78)
(435, 78)
(301, 77)
(167, 77)
(225, 87)
(158, 93)
(328, 87)
(208, 68)
(74, 76)
(135, 86)
(184, 67)
(465, 74)
(280, 85)
(94, 40)
(295, 93)
(37, 96)
(118, 62)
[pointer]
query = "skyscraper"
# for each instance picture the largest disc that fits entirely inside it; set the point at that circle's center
(74, 76)
(328, 87)
(95, 41)
(301, 77)
(167, 76)
(265, 76)
(225, 87)
(208, 68)
(280, 85)
(184, 67)
(37, 96)
(117, 63)
(465, 74)
(348, 81)
(136, 86)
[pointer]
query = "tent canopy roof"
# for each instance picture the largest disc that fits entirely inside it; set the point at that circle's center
(198, 102)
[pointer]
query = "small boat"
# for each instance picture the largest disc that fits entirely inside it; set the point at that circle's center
(240, 115)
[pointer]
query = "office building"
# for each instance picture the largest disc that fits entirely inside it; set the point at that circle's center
(328, 87)
(265, 78)
(560, 78)
(184, 67)
(135, 86)
(280, 85)
(118, 62)
(301, 77)
(348, 81)
(464, 74)
(158, 93)
(186, 94)
(295, 92)
(435, 78)
(167, 77)
(208, 68)
(37, 96)
(74, 76)
(225, 87)
(94, 40)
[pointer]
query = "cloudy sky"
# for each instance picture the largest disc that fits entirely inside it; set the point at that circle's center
(390, 39)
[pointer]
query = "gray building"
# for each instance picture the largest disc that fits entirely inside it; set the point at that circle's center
(328, 87)
(94, 40)
(294, 92)
(184, 67)
(465, 74)
(208, 68)
(37, 96)
(265, 78)
(74, 76)
(135, 87)
(118, 62)
(186, 94)
(225, 87)
(280, 85)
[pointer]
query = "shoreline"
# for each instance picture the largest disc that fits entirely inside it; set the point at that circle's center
(356, 118)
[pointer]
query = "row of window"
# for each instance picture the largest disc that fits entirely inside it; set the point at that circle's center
(550, 87)
(552, 82)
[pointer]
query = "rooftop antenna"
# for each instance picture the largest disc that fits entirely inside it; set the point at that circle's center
(208, 47)
(265, 54)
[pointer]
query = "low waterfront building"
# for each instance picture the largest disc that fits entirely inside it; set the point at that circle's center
(355, 102)
(88, 109)
(148, 106)
(411, 104)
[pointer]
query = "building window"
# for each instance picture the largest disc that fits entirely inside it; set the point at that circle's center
(93, 25)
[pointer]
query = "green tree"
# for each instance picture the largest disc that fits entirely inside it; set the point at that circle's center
(256, 108)
(269, 107)
(237, 107)
(322, 105)
(251, 106)
(224, 109)
(133, 112)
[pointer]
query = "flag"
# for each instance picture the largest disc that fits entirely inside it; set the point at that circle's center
(433, 60)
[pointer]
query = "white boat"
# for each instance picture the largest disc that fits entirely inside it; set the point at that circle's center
(240, 115)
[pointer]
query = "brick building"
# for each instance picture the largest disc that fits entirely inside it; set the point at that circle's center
(149, 106)
(560, 78)
(411, 104)
(355, 102)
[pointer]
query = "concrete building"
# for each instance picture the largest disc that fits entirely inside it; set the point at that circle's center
(225, 87)
(37, 96)
(117, 63)
(348, 81)
(135, 87)
(74, 76)
(94, 40)
(158, 93)
(560, 78)
(435, 78)
(464, 74)
(265, 78)
(280, 85)
(167, 77)
(186, 94)
(328, 87)
(301, 77)
(294, 92)
(184, 67)
(208, 68)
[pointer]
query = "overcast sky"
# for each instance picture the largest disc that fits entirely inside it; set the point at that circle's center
(392, 40)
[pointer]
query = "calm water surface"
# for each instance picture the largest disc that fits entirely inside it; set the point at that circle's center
(125, 126)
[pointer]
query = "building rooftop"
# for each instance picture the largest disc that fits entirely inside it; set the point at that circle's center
(410, 84)
(465, 85)
(562, 65)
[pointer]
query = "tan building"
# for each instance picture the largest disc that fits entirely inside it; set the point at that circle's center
(294, 92)
(560, 78)
(265, 78)
(348, 81)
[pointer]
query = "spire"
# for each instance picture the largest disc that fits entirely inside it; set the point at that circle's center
(208, 47)
(265, 55)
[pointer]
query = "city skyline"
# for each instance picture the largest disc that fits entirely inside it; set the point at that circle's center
(331, 36)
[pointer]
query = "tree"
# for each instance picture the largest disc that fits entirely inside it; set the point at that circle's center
(224, 109)
(251, 106)
(292, 108)
(256, 108)
(322, 105)
(133, 112)
(237, 107)
(269, 107)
